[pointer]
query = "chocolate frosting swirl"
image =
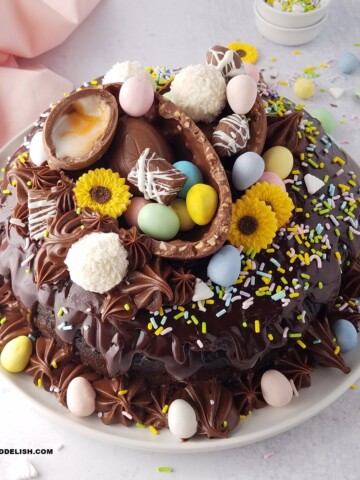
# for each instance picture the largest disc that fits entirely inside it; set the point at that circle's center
(15, 324)
(114, 307)
(149, 287)
(40, 178)
(182, 283)
(323, 353)
(13, 328)
(49, 262)
(295, 365)
(247, 393)
(132, 399)
(283, 131)
(21, 213)
(350, 284)
(98, 223)
(63, 193)
(138, 245)
(45, 360)
(155, 415)
(217, 414)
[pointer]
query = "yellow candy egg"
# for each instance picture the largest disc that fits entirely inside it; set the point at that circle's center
(201, 203)
(186, 223)
(16, 354)
(278, 160)
(304, 88)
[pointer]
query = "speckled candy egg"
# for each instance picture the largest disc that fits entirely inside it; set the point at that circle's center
(241, 93)
(346, 335)
(276, 388)
(182, 419)
(193, 174)
(201, 203)
(158, 221)
(278, 160)
(274, 179)
(348, 62)
(16, 354)
(80, 397)
(132, 212)
(247, 170)
(136, 96)
(224, 267)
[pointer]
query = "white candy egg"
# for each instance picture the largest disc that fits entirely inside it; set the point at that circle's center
(37, 151)
(241, 93)
(276, 388)
(80, 397)
(182, 419)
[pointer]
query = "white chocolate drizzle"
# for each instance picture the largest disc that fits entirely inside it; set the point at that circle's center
(40, 211)
(155, 183)
(237, 136)
(226, 63)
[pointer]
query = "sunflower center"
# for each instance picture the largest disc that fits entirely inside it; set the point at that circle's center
(241, 52)
(100, 194)
(248, 225)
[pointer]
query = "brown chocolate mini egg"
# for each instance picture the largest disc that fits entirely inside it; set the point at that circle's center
(227, 61)
(132, 212)
(80, 128)
(231, 135)
(133, 136)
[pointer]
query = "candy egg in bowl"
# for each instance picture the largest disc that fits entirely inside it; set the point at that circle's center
(293, 14)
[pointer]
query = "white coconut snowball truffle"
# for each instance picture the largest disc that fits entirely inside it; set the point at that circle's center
(97, 262)
(200, 90)
(122, 71)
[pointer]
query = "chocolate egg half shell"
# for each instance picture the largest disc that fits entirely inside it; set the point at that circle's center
(80, 128)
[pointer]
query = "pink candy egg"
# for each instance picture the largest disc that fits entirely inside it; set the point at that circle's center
(136, 96)
(132, 212)
(241, 93)
(252, 71)
(271, 177)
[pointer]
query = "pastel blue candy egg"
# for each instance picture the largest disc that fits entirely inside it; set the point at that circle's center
(224, 267)
(348, 62)
(193, 174)
(247, 170)
(346, 335)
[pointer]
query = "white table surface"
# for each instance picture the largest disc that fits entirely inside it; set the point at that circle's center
(171, 33)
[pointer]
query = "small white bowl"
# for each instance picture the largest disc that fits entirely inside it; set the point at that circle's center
(288, 36)
(291, 19)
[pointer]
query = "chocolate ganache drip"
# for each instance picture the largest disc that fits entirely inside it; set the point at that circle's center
(283, 131)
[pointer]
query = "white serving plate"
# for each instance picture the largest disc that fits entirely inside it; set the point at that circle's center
(327, 385)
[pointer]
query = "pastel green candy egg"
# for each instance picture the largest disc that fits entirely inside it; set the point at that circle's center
(158, 221)
(201, 202)
(186, 222)
(327, 120)
(278, 160)
(16, 354)
(304, 88)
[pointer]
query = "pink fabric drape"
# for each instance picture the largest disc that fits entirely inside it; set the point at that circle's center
(29, 28)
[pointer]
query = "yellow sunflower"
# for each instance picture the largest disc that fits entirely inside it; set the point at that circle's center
(274, 196)
(247, 53)
(103, 191)
(253, 224)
